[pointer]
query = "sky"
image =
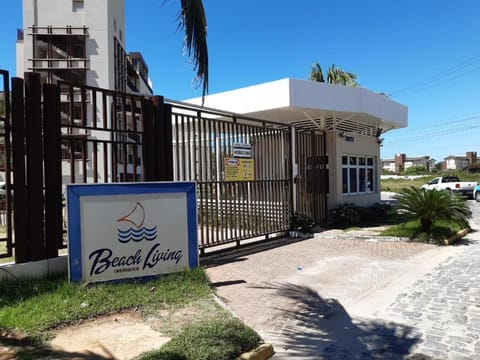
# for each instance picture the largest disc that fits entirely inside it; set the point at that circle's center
(424, 53)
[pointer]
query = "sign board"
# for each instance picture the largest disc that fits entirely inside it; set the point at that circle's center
(239, 169)
(131, 230)
(241, 150)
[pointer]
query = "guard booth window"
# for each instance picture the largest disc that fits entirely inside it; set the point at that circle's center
(358, 174)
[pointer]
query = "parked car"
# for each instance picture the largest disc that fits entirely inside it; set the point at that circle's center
(476, 193)
(452, 184)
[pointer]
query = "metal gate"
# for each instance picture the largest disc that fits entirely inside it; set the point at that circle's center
(66, 134)
(232, 209)
(312, 179)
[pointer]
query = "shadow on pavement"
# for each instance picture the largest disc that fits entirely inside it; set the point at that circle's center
(25, 347)
(322, 329)
(241, 253)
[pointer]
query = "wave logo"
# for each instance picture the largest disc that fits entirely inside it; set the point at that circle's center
(134, 229)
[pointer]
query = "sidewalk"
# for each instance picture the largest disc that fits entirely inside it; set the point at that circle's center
(346, 297)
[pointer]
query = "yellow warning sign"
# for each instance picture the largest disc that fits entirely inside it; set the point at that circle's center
(239, 169)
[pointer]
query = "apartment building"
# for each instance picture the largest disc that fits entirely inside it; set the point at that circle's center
(81, 42)
(401, 162)
(453, 162)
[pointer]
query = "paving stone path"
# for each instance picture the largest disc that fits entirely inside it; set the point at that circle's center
(445, 306)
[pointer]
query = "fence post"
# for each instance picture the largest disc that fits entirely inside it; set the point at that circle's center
(53, 169)
(7, 162)
(148, 148)
(19, 176)
(163, 139)
(168, 142)
(34, 144)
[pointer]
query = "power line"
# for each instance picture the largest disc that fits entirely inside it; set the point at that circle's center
(434, 80)
(431, 135)
(446, 122)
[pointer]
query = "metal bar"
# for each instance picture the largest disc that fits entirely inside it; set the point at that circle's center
(113, 139)
(33, 110)
(83, 106)
(53, 169)
(7, 165)
(168, 142)
(148, 138)
(189, 148)
(19, 175)
(215, 178)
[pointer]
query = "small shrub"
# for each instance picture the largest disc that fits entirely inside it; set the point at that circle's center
(351, 215)
(301, 222)
(378, 212)
(429, 206)
(345, 215)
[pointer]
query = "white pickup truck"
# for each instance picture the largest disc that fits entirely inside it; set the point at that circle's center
(451, 183)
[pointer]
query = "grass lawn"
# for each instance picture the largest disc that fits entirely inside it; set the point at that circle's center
(395, 185)
(440, 231)
(34, 307)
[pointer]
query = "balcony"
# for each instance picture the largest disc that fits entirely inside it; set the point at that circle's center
(58, 64)
(58, 30)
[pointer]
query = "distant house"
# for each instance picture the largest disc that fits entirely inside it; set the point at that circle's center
(459, 162)
(401, 162)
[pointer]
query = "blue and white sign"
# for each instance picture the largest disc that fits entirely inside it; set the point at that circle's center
(134, 230)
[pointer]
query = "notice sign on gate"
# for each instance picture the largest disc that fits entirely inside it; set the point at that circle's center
(136, 230)
(239, 169)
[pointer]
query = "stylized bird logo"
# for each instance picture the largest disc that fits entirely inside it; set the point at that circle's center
(138, 232)
(136, 216)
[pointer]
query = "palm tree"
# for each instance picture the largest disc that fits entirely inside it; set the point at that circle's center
(431, 205)
(316, 73)
(335, 75)
(193, 21)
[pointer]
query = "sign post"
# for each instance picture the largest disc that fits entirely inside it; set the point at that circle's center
(135, 230)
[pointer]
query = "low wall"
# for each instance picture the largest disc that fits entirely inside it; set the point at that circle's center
(35, 268)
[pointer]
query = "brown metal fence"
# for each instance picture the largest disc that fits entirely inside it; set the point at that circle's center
(6, 244)
(312, 182)
(66, 134)
(69, 134)
(233, 207)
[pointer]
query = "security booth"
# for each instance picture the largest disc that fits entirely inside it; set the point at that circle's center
(335, 137)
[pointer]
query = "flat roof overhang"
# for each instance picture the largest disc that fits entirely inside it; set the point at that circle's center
(309, 104)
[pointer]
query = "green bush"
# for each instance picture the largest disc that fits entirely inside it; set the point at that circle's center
(415, 170)
(352, 215)
(301, 222)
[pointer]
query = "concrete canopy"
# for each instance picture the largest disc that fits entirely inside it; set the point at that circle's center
(309, 104)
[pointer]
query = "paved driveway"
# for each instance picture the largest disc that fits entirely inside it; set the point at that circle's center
(345, 298)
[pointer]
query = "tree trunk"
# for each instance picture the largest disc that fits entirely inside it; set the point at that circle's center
(426, 224)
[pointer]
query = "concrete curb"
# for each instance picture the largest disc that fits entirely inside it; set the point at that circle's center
(264, 351)
(455, 237)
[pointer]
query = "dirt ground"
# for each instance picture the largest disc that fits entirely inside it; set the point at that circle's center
(121, 336)
(118, 336)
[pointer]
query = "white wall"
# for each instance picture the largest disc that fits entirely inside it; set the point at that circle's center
(58, 265)
(362, 145)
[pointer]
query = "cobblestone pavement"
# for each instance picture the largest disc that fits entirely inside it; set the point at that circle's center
(333, 297)
(445, 304)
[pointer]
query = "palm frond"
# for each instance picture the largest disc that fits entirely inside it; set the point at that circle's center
(193, 21)
(316, 73)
